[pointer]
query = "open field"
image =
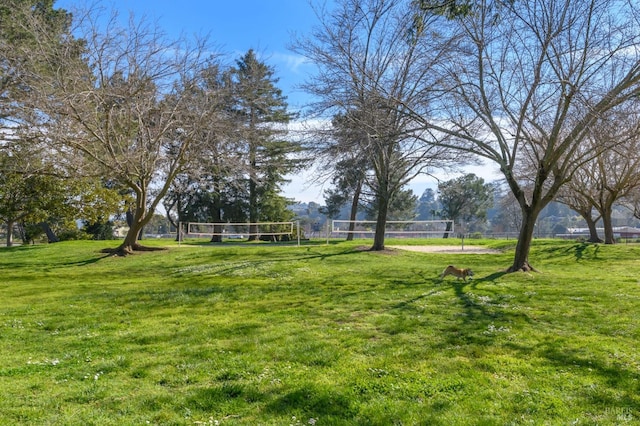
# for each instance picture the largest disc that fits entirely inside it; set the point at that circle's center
(318, 334)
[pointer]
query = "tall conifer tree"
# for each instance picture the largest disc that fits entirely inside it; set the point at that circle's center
(263, 114)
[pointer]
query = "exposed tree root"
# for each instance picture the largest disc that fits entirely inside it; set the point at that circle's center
(522, 268)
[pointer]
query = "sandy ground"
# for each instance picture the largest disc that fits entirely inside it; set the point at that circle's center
(448, 249)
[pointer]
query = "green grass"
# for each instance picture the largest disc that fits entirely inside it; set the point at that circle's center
(324, 334)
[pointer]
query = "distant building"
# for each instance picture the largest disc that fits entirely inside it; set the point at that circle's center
(618, 232)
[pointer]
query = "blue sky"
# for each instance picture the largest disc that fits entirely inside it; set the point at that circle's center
(234, 27)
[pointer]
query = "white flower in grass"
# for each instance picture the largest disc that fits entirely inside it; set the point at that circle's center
(492, 329)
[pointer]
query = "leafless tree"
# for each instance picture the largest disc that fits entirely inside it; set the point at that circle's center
(120, 105)
(508, 218)
(527, 84)
(610, 177)
(373, 67)
(579, 194)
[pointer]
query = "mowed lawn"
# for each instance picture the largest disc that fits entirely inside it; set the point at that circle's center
(320, 334)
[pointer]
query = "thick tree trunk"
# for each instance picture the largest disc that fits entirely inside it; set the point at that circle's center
(354, 211)
(51, 236)
(381, 222)
(217, 237)
(217, 218)
(591, 223)
(607, 222)
(130, 219)
(137, 219)
(130, 243)
(525, 237)
(593, 231)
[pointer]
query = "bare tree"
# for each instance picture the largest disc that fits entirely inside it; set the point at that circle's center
(120, 106)
(508, 217)
(198, 191)
(579, 194)
(373, 66)
(610, 177)
(529, 81)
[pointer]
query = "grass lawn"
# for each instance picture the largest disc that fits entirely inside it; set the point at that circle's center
(319, 334)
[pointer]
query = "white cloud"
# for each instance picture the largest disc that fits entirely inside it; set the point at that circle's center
(291, 61)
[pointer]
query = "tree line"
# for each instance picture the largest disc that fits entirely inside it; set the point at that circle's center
(544, 91)
(547, 92)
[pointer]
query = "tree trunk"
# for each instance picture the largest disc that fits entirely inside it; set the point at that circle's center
(593, 231)
(525, 237)
(607, 222)
(447, 230)
(217, 237)
(51, 236)
(130, 243)
(9, 240)
(217, 218)
(178, 204)
(130, 218)
(138, 218)
(253, 185)
(354, 211)
(381, 222)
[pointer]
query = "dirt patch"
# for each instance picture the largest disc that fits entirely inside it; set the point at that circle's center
(448, 249)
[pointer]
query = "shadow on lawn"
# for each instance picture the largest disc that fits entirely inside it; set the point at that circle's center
(308, 402)
(486, 321)
(478, 311)
(618, 391)
(582, 248)
(580, 251)
(87, 261)
(223, 267)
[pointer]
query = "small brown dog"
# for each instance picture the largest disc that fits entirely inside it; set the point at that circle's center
(457, 272)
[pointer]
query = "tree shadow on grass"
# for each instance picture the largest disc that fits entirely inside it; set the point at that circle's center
(408, 303)
(307, 402)
(439, 284)
(486, 323)
(480, 318)
(581, 249)
(223, 267)
(86, 262)
(491, 277)
(313, 401)
(619, 395)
